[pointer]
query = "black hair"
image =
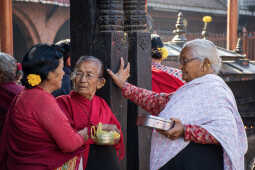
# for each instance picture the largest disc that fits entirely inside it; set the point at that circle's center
(64, 46)
(40, 59)
(155, 53)
(155, 44)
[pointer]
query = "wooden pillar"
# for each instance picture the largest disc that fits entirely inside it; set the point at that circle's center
(139, 56)
(139, 138)
(6, 28)
(232, 24)
(97, 29)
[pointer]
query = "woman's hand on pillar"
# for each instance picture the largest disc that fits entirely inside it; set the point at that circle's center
(122, 75)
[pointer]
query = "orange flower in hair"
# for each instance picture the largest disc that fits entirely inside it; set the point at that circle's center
(34, 79)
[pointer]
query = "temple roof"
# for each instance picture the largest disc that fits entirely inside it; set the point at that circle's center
(208, 4)
(202, 6)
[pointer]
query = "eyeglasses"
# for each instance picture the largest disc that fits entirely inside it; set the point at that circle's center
(187, 60)
(88, 76)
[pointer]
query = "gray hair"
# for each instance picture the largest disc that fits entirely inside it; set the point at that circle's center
(8, 68)
(204, 49)
(90, 59)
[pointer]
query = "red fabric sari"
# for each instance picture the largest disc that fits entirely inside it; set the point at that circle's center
(163, 82)
(85, 113)
(37, 135)
(7, 93)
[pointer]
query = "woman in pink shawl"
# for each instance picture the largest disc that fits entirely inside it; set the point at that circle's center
(208, 133)
(37, 134)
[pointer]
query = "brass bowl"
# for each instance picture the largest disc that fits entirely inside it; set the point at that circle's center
(154, 122)
(106, 138)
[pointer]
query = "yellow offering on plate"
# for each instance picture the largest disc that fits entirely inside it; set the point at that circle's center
(104, 137)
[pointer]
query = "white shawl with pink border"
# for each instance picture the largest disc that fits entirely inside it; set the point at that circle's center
(208, 102)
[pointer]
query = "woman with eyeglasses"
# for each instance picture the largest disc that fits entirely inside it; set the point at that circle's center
(37, 135)
(85, 109)
(208, 132)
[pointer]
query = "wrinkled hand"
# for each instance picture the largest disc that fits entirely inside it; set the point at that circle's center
(122, 75)
(84, 133)
(176, 132)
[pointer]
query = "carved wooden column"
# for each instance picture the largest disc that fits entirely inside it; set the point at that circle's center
(139, 56)
(97, 29)
(6, 30)
(111, 15)
(135, 16)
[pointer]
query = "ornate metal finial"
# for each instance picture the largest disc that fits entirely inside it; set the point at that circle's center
(179, 38)
(206, 20)
(239, 45)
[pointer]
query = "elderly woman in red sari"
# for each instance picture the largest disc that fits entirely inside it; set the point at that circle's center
(37, 135)
(208, 133)
(85, 109)
(8, 86)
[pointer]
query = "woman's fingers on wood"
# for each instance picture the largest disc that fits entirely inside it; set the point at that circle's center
(110, 72)
(128, 68)
(121, 63)
(114, 76)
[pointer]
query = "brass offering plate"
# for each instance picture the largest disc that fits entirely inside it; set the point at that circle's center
(102, 137)
(154, 122)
